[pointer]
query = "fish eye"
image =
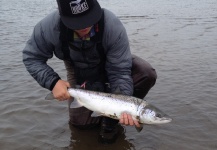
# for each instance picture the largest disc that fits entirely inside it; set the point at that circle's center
(159, 115)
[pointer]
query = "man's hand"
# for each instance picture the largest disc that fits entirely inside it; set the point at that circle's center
(60, 91)
(127, 119)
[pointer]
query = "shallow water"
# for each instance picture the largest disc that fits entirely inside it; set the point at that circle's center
(179, 39)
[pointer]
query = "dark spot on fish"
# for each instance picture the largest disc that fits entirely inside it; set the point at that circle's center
(109, 96)
(114, 117)
(137, 117)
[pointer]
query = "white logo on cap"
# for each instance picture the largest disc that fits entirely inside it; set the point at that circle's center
(78, 6)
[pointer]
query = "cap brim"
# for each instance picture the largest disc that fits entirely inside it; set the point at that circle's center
(84, 21)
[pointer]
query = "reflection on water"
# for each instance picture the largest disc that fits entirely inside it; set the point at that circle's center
(177, 37)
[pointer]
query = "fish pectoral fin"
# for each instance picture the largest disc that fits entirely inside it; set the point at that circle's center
(75, 104)
(96, 114)
(139, 129)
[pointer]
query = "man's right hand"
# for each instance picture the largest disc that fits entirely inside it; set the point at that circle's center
(60, 91)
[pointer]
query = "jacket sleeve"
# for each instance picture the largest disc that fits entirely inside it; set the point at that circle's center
(118, 55)
(37, 51)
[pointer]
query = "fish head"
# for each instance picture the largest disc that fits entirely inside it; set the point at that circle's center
(149, 114)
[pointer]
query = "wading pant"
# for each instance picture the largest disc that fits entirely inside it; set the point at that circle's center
(143, 75)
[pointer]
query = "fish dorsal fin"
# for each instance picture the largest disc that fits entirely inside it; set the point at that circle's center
(75, 104)
(96, 114)
(117, 90)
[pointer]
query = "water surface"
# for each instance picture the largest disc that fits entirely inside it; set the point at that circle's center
(179, 39)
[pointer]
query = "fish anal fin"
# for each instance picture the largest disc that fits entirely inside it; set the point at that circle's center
(96, 114)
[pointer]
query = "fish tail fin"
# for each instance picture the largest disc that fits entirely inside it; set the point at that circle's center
(75, 104)
(139, 129)
(50, 96)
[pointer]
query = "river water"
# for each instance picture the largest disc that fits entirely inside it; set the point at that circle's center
(179, 39)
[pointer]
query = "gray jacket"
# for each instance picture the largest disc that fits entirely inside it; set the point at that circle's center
(45, 42)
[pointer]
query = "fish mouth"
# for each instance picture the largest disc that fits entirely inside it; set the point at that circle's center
(166, 120)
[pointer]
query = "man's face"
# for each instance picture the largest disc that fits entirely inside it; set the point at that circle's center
(83, 32)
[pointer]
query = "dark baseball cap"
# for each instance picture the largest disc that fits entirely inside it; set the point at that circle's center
(79, 14)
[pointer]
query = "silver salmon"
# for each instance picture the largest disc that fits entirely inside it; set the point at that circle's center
(113, 105)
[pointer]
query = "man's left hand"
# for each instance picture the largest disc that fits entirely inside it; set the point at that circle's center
(127, 119)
